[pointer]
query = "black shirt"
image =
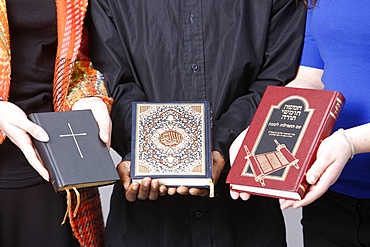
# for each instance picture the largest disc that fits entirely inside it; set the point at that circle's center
(225, 52)
(222, 51)
(33, 41)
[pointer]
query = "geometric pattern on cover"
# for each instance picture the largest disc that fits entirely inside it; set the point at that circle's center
(170, 139)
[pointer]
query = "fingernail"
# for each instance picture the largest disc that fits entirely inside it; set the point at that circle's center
(135, 186)
(106, 137)
(155, 185)
(234, 195)
(43, 136)
(45, 175)
(311, 179)
(244, 196)
(146, 183)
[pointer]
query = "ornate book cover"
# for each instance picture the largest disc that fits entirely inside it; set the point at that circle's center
(171, 142)
(74, 155)
(282, 141)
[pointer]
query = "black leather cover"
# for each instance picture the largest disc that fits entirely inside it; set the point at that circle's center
(74, 155)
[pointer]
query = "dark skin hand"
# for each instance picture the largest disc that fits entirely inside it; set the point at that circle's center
(151, 189)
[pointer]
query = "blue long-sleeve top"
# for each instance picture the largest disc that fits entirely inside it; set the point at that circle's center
(338, 41)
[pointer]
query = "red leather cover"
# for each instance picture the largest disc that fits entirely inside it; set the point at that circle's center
(283, 139)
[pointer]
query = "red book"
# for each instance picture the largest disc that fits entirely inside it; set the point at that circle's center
(282, 141)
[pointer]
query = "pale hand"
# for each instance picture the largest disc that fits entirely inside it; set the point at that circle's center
(18, 128)
(101, 115)
(324, 171)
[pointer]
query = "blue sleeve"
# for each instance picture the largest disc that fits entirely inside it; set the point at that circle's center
(311, 54)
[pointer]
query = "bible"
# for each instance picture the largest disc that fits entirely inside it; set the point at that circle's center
(171, 142)
(282, 140)
(74, 155)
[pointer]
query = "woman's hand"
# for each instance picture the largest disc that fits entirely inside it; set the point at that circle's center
(101, 115)
(325, 170)
(18, 128)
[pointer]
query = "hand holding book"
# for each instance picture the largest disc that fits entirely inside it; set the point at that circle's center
(74, 154)
(282, 141)
(148, 189)
(15, 125)
(151, 188)
(101, 115)
(325, 170)
(218, 164)
(171, 143)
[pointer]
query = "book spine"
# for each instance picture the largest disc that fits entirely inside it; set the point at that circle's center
(208, 139)
(47, 159)
(332, 115)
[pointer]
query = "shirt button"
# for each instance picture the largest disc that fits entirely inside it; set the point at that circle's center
(191, 18)
(198, 214)
(194, 67)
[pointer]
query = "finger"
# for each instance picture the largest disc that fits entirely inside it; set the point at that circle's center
(123, 170)
(132, 191)
(234, 194)
(105, 126)
(154, 192)
(218, 164)
(33, 129)
(198, 192)
(17, 120)
(23, 141)
(286, 204)
(162, 190)
(245, 196)
(312, 194)
(182, 190)
(34, 160)
(316, 170)
(308, 199)
(101, 115)
(317, 190)
(144, 189)
(171, 191)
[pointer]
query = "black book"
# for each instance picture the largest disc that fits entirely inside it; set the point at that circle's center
(74, 155)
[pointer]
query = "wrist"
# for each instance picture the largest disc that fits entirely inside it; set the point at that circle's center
(349, 141)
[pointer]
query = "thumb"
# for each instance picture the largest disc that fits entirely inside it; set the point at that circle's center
(218, 164)
(35, 131)
(315, 172)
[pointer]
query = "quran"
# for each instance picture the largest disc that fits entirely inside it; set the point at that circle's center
(74, 155)
(282, 140)
(171, 143)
